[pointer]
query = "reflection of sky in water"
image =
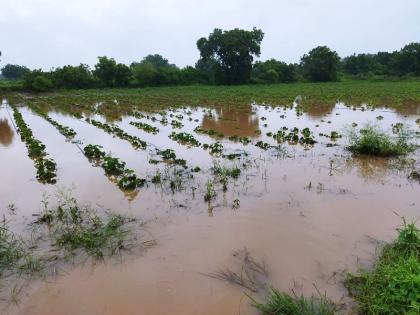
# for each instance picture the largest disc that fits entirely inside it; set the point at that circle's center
(6, 132)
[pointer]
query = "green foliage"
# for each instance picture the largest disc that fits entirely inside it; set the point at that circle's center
(70, 77)
(144, 73)
(94, 151)
(80, 230)
(126, 178)
(113, 166)
(185, 138)
(279, 303)
(273, 71)
(64, 130)
(392, 287)
(232, 53)
(372, 141)
(210, 192)
(38, 81)
(145, 127)
(111, 74)
(136, 142)
(320, 64)
(46, 168)
(14, 72)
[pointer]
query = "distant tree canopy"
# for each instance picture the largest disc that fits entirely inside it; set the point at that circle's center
(320, 64)
(226, 57)
(110, 73)
(73, 77)
(14, 72)
(273, 71)
(232, 53)
(405, 62)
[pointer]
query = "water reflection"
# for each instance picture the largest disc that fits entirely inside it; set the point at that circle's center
(370, 168)
(6, 132)
(231, 121)
(319, 110)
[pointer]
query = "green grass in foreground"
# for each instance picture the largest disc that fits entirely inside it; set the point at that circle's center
(60, 233)
(400, 94)
(393, 285)
(372, 141)
(279, 303)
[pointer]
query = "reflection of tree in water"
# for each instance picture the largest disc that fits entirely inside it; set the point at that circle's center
(231, 121)
(409, 109)
(319, 110)
(6, 132)
(370, 168)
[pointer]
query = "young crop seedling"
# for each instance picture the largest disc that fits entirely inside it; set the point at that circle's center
(210, 192)
(145, 127)
(184, 138)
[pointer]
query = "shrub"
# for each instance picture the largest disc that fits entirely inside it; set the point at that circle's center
(372, 141)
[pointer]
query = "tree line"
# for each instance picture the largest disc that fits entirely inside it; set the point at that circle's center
(226, 57)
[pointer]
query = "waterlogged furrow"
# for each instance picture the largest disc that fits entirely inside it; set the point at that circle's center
(136, 142)
(126, 178)
(68, 132)
(46, 169)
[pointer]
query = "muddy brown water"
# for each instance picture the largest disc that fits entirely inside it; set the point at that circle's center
(308, 213)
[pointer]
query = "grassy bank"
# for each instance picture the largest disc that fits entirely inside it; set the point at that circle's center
(393, 285)
(395, 94)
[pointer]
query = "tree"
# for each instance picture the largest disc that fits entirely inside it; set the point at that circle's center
(407, 60)
(123, 75)
(158, 61)
(38, 81)
(233, 52)
(71, 77)
(14, 72)
(144, 73)
(273, 71)
(110, 74)
(320, 64)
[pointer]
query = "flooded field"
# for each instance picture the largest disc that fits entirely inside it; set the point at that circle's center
(215, 187)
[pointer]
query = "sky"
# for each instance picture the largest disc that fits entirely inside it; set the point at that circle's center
(52, 33)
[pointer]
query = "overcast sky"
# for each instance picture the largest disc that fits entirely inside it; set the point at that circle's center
(48, 33)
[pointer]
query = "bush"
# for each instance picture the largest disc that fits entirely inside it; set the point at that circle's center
(42, 84)
(372, 141)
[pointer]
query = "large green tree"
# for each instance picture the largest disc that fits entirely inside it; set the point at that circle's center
(109, 73)
(233, 52)
(70, 77)
(320, 64)
(14, 72)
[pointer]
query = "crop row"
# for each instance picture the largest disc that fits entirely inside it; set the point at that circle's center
(145, 127)
(68, 132)
(127, 179)
(46, 168)
(136, 142)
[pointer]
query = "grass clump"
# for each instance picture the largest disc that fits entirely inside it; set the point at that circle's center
(393, 285)
(373, 141)
(75, 230)
(280, 303)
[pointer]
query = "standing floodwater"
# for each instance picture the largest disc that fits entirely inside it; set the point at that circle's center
(275, 182)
